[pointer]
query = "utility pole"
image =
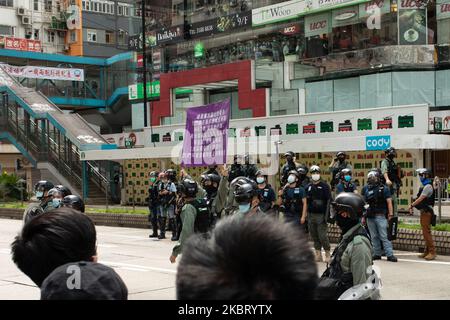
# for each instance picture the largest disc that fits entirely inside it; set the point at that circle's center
(144, 62)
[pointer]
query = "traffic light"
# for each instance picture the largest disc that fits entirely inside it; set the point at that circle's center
(19, 164)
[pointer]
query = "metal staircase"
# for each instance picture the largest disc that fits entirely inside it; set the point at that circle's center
(52, 139)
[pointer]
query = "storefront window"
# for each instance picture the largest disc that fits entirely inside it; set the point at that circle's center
(443, 21)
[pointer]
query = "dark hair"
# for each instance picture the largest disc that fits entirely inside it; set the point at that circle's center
(248, 258)
(52, 239)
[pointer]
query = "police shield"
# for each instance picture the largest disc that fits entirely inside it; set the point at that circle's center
(393, 228)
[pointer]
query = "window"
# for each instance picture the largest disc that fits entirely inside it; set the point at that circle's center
(58, 6)
(48, 5)
(73, 36)
(51, 36)
(91, 36)
(126, 11)
(120, 10)
(7, 3)
(83, 5)
(109, 37)
(121, 38)
(36, 34)
(95, 7)
(6, 30)
(36, 5)
(104, 7)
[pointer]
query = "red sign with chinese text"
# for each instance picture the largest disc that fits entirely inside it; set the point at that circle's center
(22, 44)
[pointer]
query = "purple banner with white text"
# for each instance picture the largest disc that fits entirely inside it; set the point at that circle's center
(206, 135)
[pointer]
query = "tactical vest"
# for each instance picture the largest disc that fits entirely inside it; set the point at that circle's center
(153, 196)
(169, 198)
(428, 202)
(349, 187)
(316, 197)
(265, 203)
(203, 219)
(236, 170)
(285, 171)
(336, 170)
(392, 170)
(374, 196)
(334, 281)
(292, 201)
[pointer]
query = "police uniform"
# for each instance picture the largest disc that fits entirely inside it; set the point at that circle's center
(167, 202)
(188, 215)
(217, 201)
(391, 168)
(293, 203)
(153, 203)
(236, 170)
(318, 197)
(335, 169)
(250, 171)
(288, 167)
(377, 212)
(267, 197)
(426, 217)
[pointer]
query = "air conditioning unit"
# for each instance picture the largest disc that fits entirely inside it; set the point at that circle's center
(21, 11)
(26, 20)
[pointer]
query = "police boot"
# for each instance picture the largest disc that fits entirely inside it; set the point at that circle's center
(327, 257)
(319, 256)
(155, 230)
(174, 230)
(162, 226)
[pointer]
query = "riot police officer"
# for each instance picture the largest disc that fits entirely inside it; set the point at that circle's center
(392, 175)
(288, 166)
(153, 202)
(425, 203)
(265, 192)
(41, 190)
(236, 170)
(379, 212)
(216, 188)
(293, 199)
(74, 202)
(336, 166)
(303, 176)
(246, 195)
(56, 196)
(318, 196)
(167, 195)
(351, 261)
(345, 182)
(250, 169)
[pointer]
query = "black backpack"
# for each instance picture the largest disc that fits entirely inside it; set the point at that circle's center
(334, 282)
(203, 219)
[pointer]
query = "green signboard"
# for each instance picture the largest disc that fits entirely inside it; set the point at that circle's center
(136, 91)
(326, 126)
(364, 124)
(406, 121)
(199, 50)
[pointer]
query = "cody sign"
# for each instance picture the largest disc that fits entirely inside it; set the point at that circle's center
(378, 143)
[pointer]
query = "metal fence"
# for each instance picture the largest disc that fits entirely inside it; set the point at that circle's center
(444, 188)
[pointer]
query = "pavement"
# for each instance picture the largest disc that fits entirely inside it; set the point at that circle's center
(144, 266)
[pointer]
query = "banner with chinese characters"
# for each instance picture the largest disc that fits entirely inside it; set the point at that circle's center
(45, 73)
(22, 44)
(206, 135)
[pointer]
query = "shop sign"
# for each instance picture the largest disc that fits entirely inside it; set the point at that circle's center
(140, 60)
(135, 41)
(346, 16)
(439, 121)
(22, 44)
(278, 12)
(412, 4)
(366, 9)
(34, 72)
(199, 50)
(443, 9)
(220, 25)
(170, 35)
(413, 26)
(317, 24)
(136, 91)
(374, 143)
(291, 30)
(313, 6)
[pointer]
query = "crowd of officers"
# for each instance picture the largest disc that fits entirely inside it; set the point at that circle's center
(51, 197)
(180, 204)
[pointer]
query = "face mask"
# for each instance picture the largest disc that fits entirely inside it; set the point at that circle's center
(152, 179)
(244, 208)
(348, 178)
(39, 194)
(260, 180)
(291, 179)
(345, 223)
(424, 180)
(56, 203)
(315, 177)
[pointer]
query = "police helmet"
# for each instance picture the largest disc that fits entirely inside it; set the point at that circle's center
(373, 176)
(289, 154)
(244, 189)
(390, 151)
(260, 173)
(171, 174)
(154, 174)
(188, 187)
(64, 190)
(424, 172)
(295, 173)
(346, 171)
(74, 202)
(213, 178)
(314, 169)
(351, 203)
(43, 186)
(340, 154)
(54, 192)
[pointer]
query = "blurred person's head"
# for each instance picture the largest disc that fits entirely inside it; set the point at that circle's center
(41, 189)
(50, 240)
(83, 280)
(251, 259)
(74, 202)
